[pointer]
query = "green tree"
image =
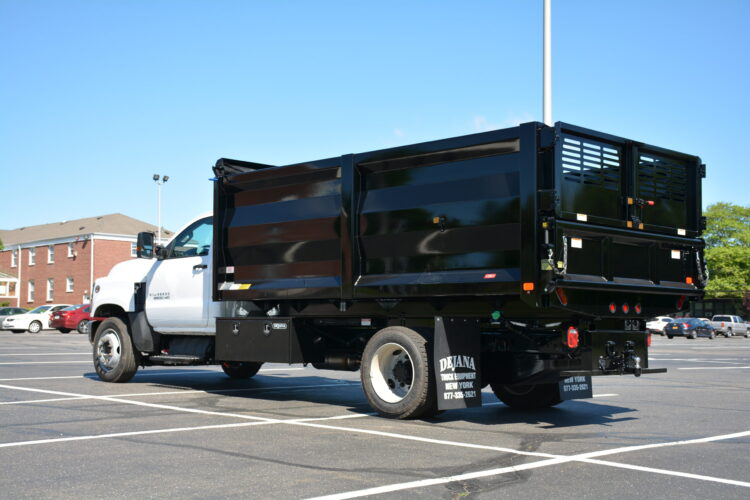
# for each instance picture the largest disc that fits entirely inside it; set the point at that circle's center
(727, 238)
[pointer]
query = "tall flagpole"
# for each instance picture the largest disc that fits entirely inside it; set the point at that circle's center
(547, 92)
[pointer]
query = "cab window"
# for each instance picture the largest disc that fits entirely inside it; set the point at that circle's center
(193, 241)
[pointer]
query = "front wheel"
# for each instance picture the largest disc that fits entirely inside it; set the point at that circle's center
(528, 397)
(35, 327)
(83, 326)
(114, 357)
(240, 370)
(396, 374)
(670, 336)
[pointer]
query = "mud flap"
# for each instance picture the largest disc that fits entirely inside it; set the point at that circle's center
(456, 358)
(577, 387)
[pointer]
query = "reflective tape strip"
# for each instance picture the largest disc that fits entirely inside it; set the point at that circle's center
(225, 286)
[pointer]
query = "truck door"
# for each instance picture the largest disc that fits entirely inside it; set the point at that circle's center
(178, 289)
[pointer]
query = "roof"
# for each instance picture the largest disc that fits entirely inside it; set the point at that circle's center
(104, 224)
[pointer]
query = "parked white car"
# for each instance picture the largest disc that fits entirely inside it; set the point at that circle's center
(657, 324)
(34, 321)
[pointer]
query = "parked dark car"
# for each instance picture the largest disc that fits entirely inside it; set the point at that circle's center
(71, 318)
(9, 311)
(690, 327)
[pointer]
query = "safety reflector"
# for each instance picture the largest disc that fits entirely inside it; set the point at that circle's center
(490, 276)
(612, 307)
(681, 302)
(562, 296)
(650, 203)
(648, 340)
(528, 286)
(572, 337)
(625, 308)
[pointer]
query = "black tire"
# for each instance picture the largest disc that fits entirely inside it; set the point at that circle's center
(63, 330)
(240, 370)
(730, 333)
(35, 327)
(670, 336)
(528, 397)
(711, 335)
(115, 360)
(83, 326)
(17, 331)
(397, 374)
(693, 336)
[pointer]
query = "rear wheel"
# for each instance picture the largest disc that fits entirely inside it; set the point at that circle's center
(63, 330)
(115, 360)
(670, 336)
(240, 370)
(83, 326)
(35, 327)
(397, 375)
(730, 333)
(528, 397)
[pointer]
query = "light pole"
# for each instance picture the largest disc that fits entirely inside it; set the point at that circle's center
(547, 71)
(158, 182)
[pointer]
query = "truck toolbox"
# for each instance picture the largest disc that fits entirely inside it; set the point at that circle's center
(258, 339)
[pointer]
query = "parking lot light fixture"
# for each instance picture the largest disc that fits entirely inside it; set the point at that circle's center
(164, 178)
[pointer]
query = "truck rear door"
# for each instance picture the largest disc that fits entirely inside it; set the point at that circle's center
(604, 179)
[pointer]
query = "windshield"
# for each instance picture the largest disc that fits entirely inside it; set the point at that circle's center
(39, 309)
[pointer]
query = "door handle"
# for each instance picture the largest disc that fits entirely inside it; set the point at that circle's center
(199, 266)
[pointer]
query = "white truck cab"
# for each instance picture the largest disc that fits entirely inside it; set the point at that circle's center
(177, 283)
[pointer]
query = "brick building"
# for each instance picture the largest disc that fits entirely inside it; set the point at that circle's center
(58, 262)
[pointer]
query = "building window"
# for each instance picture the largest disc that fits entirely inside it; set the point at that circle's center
(51, 254)
(71, 253)
(133, 249)
(50, 289)
(69, 284)
(14, 258)
(32, 256)
(31, 291)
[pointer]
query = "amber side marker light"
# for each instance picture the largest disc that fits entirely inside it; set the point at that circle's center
(572, 337)
(561, 296)
(528, 286)
(689, 280)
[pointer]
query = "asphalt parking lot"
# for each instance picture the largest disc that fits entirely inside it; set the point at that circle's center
(294, 432)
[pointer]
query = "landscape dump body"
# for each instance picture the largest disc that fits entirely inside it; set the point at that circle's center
(525, 256)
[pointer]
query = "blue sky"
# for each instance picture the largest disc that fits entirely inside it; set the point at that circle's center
(97, 96)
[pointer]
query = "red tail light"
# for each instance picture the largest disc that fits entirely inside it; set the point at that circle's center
(572, 337)
(625, 308)
(685, 325)
(612, 307)
(648, 340)
(561, 295)
(638, 309)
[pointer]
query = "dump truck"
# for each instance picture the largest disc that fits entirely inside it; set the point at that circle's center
(526, 259)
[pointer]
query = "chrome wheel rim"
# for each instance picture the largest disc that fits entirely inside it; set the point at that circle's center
(391, 372)
(108, 350)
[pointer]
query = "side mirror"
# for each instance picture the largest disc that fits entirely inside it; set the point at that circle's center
(144, 248)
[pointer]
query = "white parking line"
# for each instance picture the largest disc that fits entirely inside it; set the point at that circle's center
(187, 391)
(47, 363)
(715, 368)
(162, 373)
(170, 430)
(552, 459)
(558, 459)
(11, 354)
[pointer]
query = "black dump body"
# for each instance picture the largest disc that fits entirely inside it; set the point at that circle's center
(533, 221)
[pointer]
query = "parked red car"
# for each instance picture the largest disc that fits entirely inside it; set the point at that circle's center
(71, 318)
